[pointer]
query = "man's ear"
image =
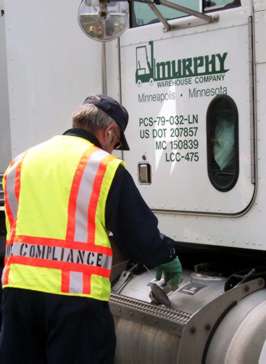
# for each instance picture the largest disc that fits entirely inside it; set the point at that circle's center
(110, 133)
(101, 135)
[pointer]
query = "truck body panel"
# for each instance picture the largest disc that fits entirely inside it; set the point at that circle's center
(5, 149)
(190, 209)
(196, 99)
(51, 68)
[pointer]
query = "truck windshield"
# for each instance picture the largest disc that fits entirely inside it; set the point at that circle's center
(141, 14)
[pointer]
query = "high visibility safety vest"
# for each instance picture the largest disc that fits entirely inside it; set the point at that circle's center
(55, 199)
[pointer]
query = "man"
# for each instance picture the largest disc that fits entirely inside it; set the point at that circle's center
(62, 198)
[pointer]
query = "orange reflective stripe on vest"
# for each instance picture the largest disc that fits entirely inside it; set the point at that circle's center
(85, 252)
(87, 182)
(81, 213)
(75, 259)
(11, 189)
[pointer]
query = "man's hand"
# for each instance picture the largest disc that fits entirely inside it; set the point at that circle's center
(171, 271)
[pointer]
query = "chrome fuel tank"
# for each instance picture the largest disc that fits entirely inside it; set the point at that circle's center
(188, 330)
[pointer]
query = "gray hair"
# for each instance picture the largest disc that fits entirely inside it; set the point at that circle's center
(91, 118)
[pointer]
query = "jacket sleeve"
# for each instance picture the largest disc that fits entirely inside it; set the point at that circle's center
(133, 224)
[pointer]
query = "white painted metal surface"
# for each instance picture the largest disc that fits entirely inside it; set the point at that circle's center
(245, 231)
(168, 115)
(4, 107)
(52, 66)
(262, 358)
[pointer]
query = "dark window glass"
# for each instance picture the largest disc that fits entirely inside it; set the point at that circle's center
(222, 143)
(218, 4)
(141, 14)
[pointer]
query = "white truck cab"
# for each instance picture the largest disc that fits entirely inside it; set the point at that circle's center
(193, 82)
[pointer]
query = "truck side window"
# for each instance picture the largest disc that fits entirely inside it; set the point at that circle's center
(141, 14)
(222, 143)
(218, 4)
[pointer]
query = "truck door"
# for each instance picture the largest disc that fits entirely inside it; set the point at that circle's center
(190, 100)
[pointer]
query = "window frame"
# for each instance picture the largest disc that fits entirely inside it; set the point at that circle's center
(205, 9)
(209, 134)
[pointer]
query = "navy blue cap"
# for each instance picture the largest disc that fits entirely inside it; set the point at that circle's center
(115, 110)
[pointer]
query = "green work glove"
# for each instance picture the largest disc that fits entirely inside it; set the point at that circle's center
(172, 273)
